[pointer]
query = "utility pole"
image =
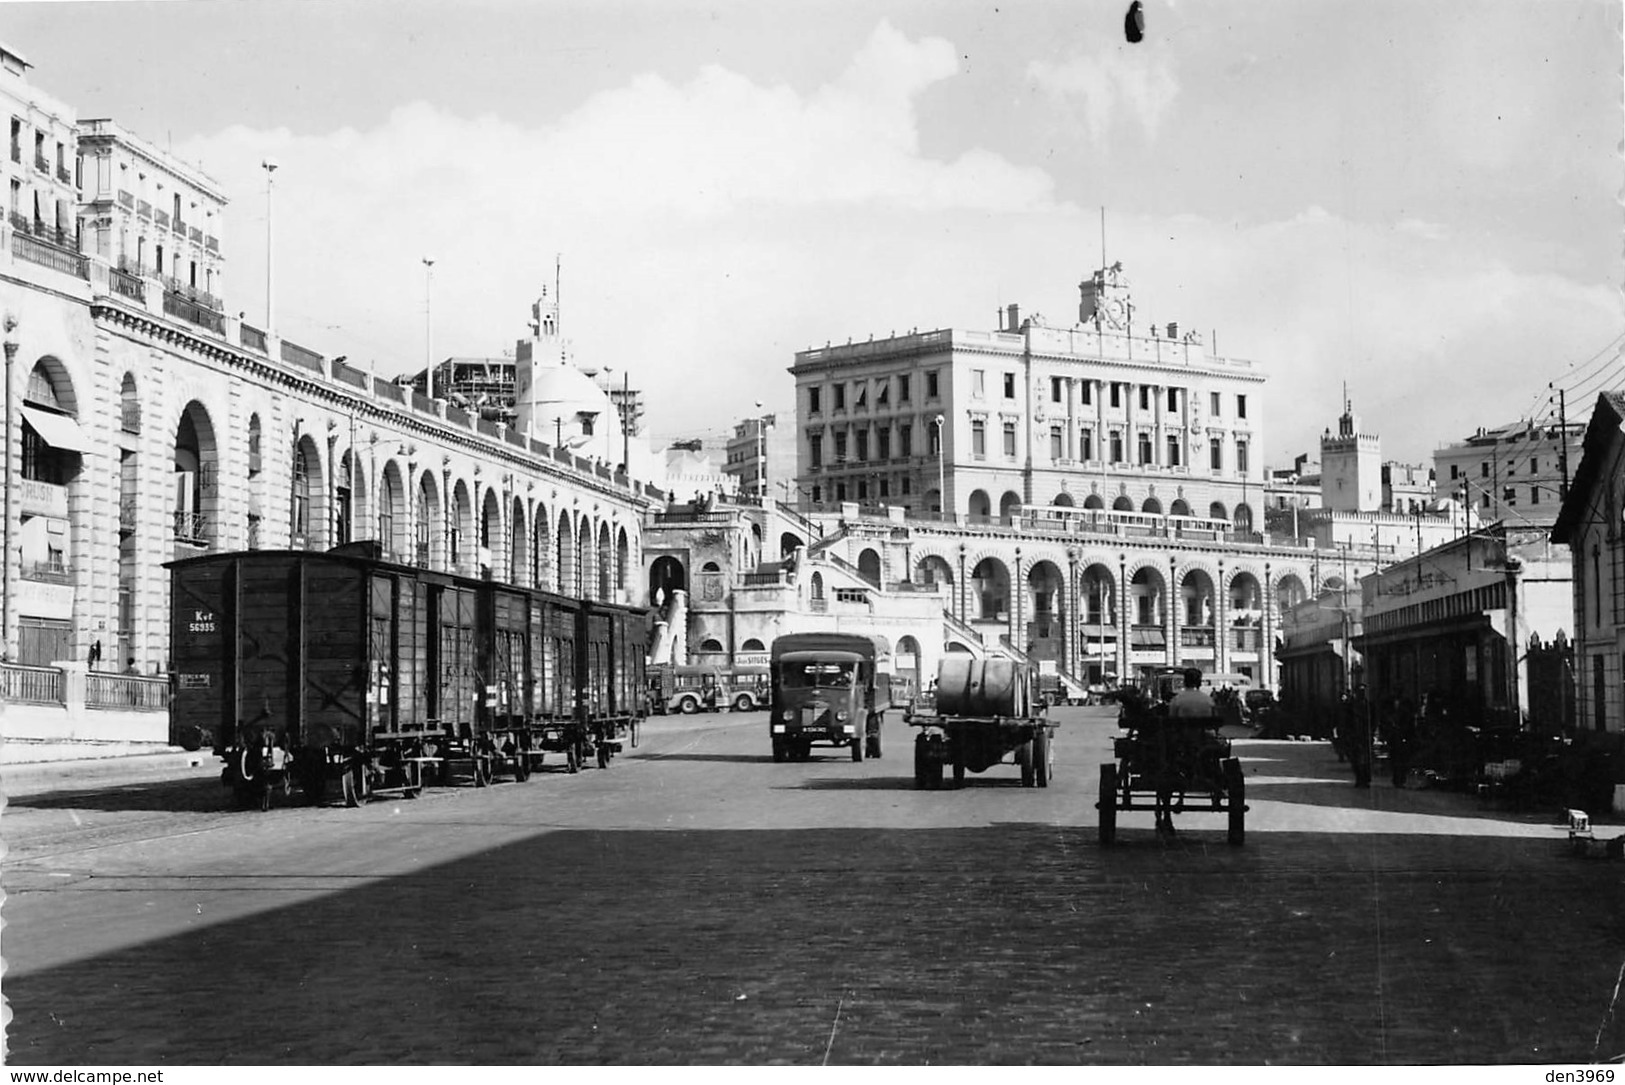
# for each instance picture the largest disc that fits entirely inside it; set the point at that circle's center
(1563, 446)
(428, 323)
(269, 167)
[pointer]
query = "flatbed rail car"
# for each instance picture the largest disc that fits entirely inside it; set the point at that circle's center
(1171, 765)
(341, 667)
(982, 712)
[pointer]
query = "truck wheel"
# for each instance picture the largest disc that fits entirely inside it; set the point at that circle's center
(1237, 795)
(743, 703)
(688, 706)
(779, 752)
(921, 759)
(1041, 756)
(354, 785)
(482, 771)
(857, 747)
(959, 773)
(1108, 804)
(1024, 758)
(874, 738)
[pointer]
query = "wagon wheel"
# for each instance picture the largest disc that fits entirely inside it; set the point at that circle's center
(482, 770)
(1108, 804)
(1237, 788)
(779, 752)
(1041, 758)
(353, 784)
(521, 769)
(1024, 758)
(921, 763)
(857, 747)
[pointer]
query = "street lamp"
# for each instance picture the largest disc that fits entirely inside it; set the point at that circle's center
(942, 471)
(269, 166)
(1293, 479)
(428, 323)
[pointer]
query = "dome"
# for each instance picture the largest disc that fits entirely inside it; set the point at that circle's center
(558, 403)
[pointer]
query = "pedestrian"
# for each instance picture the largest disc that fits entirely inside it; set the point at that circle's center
(1356, 728)
(1401, 740)
(95, 655)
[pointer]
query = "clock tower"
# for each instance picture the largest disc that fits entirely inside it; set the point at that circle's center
(1105, 301)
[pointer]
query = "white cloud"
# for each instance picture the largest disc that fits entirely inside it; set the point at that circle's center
(1113, 87)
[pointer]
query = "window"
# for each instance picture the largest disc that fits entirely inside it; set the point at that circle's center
(883, 442)
(1117, 446)
(840, 447)
(978, 439)
(16, 140)
(1173, 451)
(1086, 392)
(1455, 471)
(885, 488)
(902, 388)
(1117, 394)
(1512, 469)
(863, 445)
(1056, 450)
(1173, 400)
(1145, 397)
(1215, 454)
(931, 385)
(817, 494)
(814, 395)
(1213, 404)
(905, 439)
(1509, 495)
(934, 439)
(840, 491)
(1010, 440)
(862, 398)
(1009, 386)
(1241, 406)
(1484, 470)
(1145, 447)
(1086, 443)
(978, 383)
(905, 487)
(840, 396)
(1055, 389)
(863, 490)
(885, 394)
(1534, 466)
(815, 445)
(1534, 495)
(1241, 457)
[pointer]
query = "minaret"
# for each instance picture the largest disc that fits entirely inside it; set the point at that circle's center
(1350, 465)
(545, 347)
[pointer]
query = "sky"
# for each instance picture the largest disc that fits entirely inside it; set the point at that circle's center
(1420, 201)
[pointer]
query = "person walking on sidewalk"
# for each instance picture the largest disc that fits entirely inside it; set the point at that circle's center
(1356, 728)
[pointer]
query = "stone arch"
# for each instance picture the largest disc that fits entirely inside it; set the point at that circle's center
(623, 564)
(392, 521)
(980, 507)
(666, 575)
(1289, 590)
(431, 541)
(586, 574)
(130, 411)
(710, 644)
(490, 537)
(752, 645)
(461, 527)
(1009, 505)
(606, 563)
(308, 513)
(1244, 598)
(542, 555)
(1217, 511)
(933, 500)
(1180, 507)
(933, 569)
(1198, 602)
(349, 498)
(1097, 594)
(1151, 505)
(565, 550)
(1063, 500)
(1046, 588)
(1147, 595)
(789, 543)
(990, 583)
(869, 565)
(1123, 503)
(519, 571)
(1244, 518)
(1094, 501)
(815, 587)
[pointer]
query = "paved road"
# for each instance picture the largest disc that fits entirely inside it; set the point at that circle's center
(697, 903)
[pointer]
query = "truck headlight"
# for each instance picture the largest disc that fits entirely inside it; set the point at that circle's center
(840, 717)
(787, 715)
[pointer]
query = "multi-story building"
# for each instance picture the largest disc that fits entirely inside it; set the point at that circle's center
(975, 424)
(42, 190)
(143, 424)
(761, 454)
(1513, 472)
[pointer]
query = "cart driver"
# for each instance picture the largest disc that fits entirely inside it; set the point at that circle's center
(1188, 703)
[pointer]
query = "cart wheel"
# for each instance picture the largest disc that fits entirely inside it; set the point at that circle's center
(354, 788)
(1108, 804)
(1041, 756)
(921, 763)
(1236, 786)
(959, 773)
(857, 748)
(521, 766)
(482, 771)
(1024, 758)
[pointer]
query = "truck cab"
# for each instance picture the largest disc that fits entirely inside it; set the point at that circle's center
(825, 690)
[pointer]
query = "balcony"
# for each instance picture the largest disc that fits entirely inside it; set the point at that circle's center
(211, 243)
(63, 175)
(39, 249)
(253, 339)
(51, 571)
(1196, 636)
(192, 527)
(41, 163)
(193, 313)
(179, 226)
(143, 209)
(161, 218)
(127, 285)
(125, 200)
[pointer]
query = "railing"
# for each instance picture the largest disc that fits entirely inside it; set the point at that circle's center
(126, 691)
(47, 572)
(1246, 640)
(30, 685)
(42, 164)
(193, 313)
(126, 200)
(192, 527)
(179, 226)
(253, 339)
(194, 235)
(161, 217)
(1200, 636)
(130, 286)
(143, 209)
(194, 293)
(36, 251)
(63, 175)
(211, 243)
(298, 355)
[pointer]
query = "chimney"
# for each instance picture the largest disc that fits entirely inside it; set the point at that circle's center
(1173, 331)
(1014, 312)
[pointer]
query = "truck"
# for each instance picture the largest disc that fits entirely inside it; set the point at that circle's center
(826, 689)
(983, 712)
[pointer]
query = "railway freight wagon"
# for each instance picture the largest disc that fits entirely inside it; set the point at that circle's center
(311, 668)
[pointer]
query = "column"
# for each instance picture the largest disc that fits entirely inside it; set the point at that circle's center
(1170, 618)
(1122, 619)
(1266, 641)
(1221, 619)
(1018, 589)
(1070, 449)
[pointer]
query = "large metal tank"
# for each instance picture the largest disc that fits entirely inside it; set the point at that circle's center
(983, 687)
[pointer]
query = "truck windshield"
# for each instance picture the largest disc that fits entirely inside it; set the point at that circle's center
(818, 676)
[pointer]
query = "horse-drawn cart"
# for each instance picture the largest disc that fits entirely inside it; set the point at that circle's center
(1171, 765)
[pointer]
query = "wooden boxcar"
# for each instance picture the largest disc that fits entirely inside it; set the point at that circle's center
(313, 667)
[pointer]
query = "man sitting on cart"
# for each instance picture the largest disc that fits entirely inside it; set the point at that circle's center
(1189, 703)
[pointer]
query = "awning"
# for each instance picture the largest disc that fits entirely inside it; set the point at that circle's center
(57, 430)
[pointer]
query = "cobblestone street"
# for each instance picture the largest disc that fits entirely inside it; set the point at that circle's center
(699, 904)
